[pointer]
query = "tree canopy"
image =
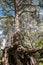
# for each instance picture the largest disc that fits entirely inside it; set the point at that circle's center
(21, 32)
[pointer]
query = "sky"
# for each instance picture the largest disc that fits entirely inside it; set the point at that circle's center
(2, 13)
(41, 11)
(5, 5)
(1, 30)
(35, 2)
(3, 43)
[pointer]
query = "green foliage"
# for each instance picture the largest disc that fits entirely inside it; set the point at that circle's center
(40, 63)
(37, 55)
(0, 43)
(39, 43)
(1, 52)
(25, 40)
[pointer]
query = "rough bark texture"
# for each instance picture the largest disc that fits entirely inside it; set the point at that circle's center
(18, 55)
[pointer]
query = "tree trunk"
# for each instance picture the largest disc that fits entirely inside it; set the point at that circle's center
(19, 56)
(33, 61)
(5, 58)
(17, 29)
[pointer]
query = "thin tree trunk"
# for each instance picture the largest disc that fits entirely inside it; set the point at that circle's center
(33, 61)
(17, 29)
(5, 58)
